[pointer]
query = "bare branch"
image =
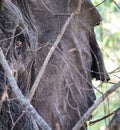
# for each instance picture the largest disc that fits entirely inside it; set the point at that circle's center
(104, 117)
(94, 106)
(35, 85)
(79, 7)
(116, 4)
(23, 100)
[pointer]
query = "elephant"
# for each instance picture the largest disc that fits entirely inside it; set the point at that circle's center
(28, 29)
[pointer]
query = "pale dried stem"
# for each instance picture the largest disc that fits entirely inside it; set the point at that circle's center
(60, 35)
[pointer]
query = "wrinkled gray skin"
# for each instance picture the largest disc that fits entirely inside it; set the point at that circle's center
(65, 92)
(21, 58)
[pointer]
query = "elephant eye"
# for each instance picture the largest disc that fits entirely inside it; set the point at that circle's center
(18, 49)
(18, 44)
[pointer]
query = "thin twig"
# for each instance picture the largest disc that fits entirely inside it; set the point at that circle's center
(115, 70)
(38, 78)
(9, 111)
(100, 119)
(48, 8)
(13, 36)
(116, 4)
(23, 100)
(100, 3)
(18, 119)
(94, 106)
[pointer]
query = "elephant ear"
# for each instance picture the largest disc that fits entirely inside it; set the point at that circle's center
(98, 70)
(89, 18)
